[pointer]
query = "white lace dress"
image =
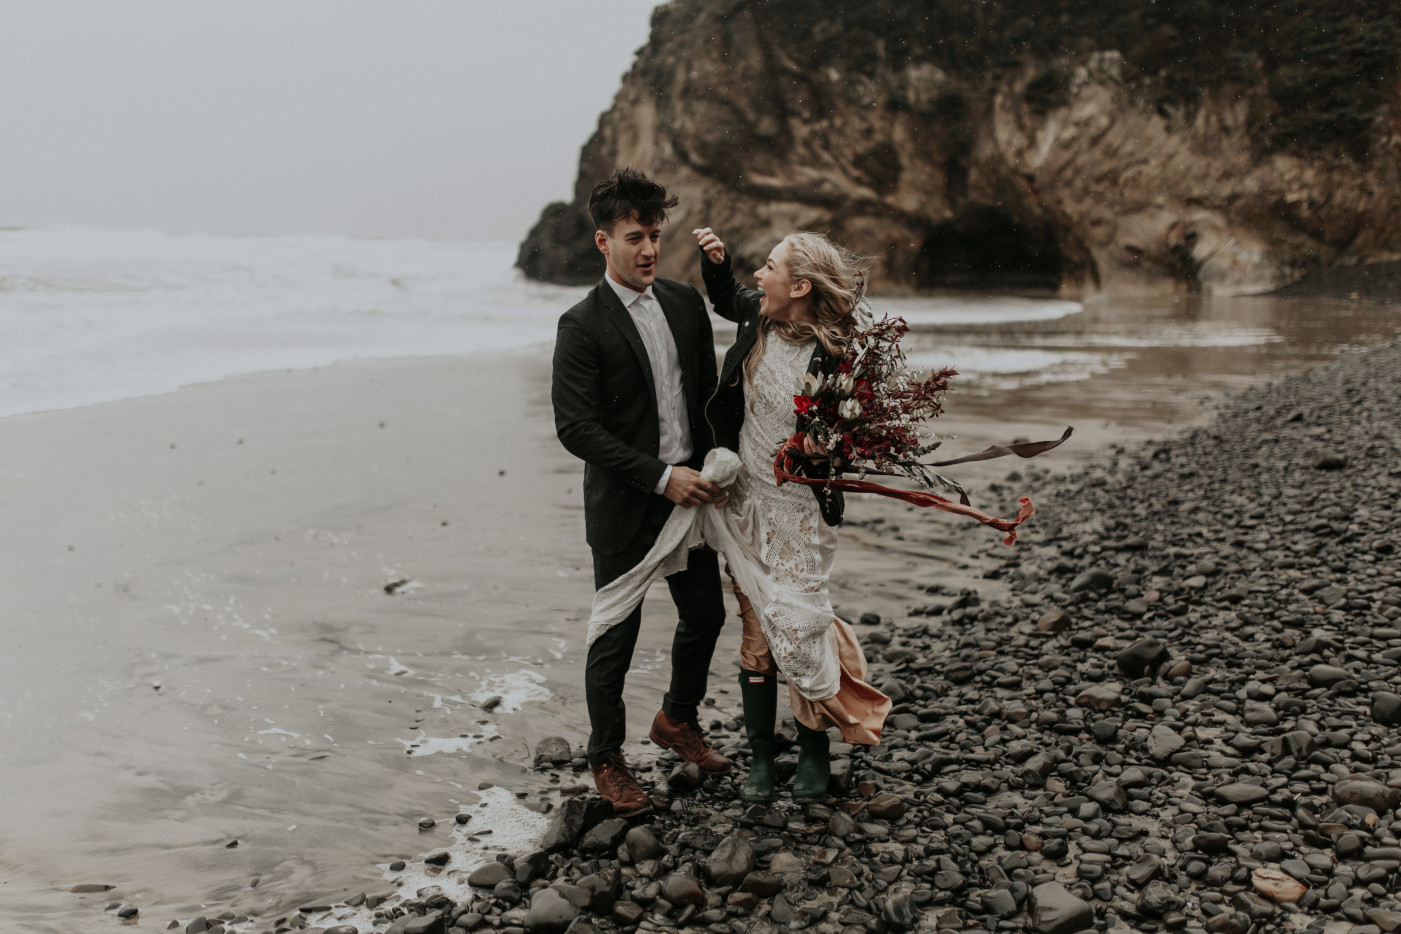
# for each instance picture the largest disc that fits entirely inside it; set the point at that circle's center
(781, 529)
(779, 552)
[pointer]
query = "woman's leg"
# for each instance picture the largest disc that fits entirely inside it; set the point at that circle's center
(760, 693)
(814, 765)
(857, 709)
(758, 687)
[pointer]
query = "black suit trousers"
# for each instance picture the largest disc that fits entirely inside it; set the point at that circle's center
(701, 608)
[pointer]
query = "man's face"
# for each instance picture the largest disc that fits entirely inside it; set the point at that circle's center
(631, 250)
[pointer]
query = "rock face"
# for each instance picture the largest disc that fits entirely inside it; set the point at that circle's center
(965, 145)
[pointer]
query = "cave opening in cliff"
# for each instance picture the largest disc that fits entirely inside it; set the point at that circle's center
(986, 248)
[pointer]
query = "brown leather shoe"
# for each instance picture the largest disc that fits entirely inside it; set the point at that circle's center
(685, 739)
(619, 788)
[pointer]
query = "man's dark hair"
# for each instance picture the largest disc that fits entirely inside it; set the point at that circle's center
(626, 193)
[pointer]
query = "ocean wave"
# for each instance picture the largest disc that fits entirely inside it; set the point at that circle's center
(97, 315)
(946, 311)
(997, 363)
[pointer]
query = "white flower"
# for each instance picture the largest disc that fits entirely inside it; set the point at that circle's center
(849, 409)
(846, 385)
(812, 385)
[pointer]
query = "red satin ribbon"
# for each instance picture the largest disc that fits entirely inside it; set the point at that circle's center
(915, 497)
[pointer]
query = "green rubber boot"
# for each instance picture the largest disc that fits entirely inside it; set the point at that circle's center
(814, 765)
(760, 694)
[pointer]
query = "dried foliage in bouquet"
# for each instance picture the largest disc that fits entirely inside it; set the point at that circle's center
(872, 414)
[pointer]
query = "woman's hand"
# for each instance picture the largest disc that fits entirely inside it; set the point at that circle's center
(813, 449)
(713, 246)
(722, 497)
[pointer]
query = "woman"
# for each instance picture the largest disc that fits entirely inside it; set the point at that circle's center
(786, 537)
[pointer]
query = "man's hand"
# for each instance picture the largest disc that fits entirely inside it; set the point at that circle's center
(712, 245)
(686, 488)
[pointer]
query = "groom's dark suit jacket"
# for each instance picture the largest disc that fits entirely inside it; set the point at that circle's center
(606, 405)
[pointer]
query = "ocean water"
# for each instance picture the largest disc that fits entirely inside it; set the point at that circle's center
(90, 316)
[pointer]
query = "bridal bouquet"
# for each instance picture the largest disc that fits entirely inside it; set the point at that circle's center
(871, 416)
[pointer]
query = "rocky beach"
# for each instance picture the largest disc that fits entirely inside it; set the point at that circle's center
(1174, 705)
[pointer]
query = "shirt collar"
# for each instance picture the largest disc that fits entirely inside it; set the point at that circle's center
(626, 295)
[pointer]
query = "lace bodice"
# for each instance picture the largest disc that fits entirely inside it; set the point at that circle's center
(768, 404)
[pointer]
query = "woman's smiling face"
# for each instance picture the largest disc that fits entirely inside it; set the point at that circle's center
(778, 285)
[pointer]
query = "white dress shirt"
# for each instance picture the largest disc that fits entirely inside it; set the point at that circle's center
(672, 421)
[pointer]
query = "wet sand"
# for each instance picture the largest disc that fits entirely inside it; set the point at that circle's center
(204, 651)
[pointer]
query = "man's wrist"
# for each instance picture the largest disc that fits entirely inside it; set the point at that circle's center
(660, 488)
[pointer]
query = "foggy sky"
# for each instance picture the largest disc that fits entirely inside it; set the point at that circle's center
(391, 118)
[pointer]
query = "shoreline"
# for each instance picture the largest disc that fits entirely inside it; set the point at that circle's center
(1375, 283)
(523, 351)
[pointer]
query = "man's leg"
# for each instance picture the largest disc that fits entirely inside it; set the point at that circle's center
(605, 672)
(701, 610)
(610, 657)
(696, 591)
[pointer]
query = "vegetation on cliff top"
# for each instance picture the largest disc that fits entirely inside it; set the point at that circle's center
(1326, 67)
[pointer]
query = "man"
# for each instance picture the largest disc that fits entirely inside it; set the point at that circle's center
(634, 365)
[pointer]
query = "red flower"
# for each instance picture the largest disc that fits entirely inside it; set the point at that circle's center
(802, 405)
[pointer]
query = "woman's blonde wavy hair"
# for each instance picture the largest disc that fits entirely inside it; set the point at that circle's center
(838, 280)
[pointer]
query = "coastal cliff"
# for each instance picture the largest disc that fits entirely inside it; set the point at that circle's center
(1035, 144)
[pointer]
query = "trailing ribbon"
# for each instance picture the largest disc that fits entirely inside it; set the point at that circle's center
(793, 447)
(1024, 449)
